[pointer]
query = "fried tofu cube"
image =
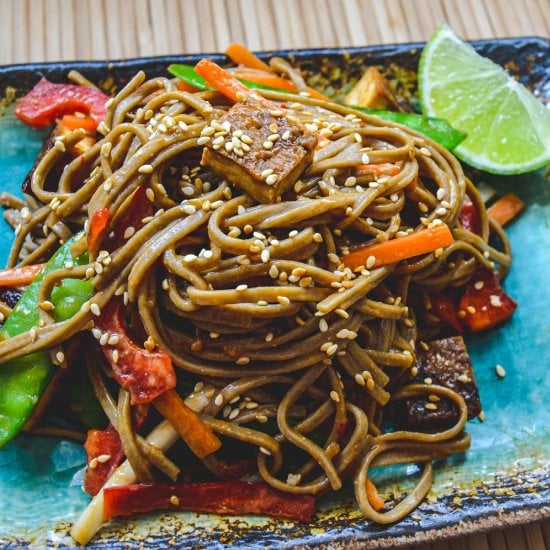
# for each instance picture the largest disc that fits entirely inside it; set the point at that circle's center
(374, 91)
(446, 363)
(262, 153)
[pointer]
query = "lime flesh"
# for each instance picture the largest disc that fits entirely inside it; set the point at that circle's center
(508, 128)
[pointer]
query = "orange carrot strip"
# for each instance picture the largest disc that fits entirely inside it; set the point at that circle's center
(389, 252)
(275, 81)
(73, 122)
(200, 438)
(384, 169)
(505, 209)
(227, 84)
(241, 55)
(98, 226)
(373, 496)
(184, 87)
(20, 276)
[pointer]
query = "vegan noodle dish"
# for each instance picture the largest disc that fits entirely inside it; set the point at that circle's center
(238, 293)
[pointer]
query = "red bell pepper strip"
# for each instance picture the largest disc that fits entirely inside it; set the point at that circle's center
(484, 303)
(445, 308)
(225, 497)
(469, 217)
(145, 374)
(105, 453)
(101, 444)
(98, 226)
(48, 101)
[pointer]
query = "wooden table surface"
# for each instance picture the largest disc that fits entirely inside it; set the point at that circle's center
(52, 30)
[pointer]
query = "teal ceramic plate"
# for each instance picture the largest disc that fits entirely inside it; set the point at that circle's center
(503, 479)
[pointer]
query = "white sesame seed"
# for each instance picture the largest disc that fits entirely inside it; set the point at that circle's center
(95, 309)
(243, 360)
(208, 131)
(431, 406)
(365, 158)
(241, 287)
(441, 211)
(174, 500)
(478, 285)
(145, 169)
(93, 464)
(440, 194)
(267, 145)
(334, 396)
(332, 349)
(273, 272)
(115, 356)
(293, 233)
(103, 458)
(60, 357)
(359, 379)
(265, 451)
(189, 257)
(501, 372)
(234, 413)
(203, 140)
(46, 305)
(294, 479)
(495, 300)
(342, 313)
(371, 260)
(283, 300)
(218, 401)
(272, 179)
(286, 135)
(104, 338)
(265, 255)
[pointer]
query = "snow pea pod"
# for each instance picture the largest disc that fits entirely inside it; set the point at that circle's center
(23, 380)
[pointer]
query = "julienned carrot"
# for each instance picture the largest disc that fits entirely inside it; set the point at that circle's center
(389, 252)
(241, 55)
(227, 84)
(383, 169)
(73, 122)
(505, 209)
(20, 276)
(200, 438)
(373, 496)
(275, 81)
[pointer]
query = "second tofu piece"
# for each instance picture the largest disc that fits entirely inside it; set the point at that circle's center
(262, 153)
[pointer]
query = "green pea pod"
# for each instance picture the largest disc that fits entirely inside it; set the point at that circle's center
(437, 129)
(23, 380)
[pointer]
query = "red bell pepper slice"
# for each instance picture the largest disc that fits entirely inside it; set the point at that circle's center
(469, 217)
(485, 304)
(101, 443)
(48, 101)
(145, 374)
(106, 443)
(225, 497)
(445, 308)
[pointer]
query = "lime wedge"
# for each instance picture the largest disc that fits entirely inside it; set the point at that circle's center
(508, 128)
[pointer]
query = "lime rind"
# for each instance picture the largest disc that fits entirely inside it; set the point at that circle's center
(508, 128)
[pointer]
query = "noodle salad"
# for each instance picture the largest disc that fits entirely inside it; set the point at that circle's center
(263, 290)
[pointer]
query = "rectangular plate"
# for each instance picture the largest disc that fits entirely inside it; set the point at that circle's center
(502, 480)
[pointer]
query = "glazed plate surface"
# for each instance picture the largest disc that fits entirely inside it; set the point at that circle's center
(502, 480)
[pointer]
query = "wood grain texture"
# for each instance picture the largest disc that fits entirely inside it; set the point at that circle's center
(52, 30)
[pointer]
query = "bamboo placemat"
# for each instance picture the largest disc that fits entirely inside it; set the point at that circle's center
(53, 30)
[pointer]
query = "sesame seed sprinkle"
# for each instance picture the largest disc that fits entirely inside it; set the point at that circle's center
(218, 401)
(501, 372)
(360, 380)
(334, 396)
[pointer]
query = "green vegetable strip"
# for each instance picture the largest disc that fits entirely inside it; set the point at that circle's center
(23, 380)
(437, 129)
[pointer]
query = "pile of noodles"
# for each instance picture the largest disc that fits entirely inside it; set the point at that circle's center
(291, 337)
